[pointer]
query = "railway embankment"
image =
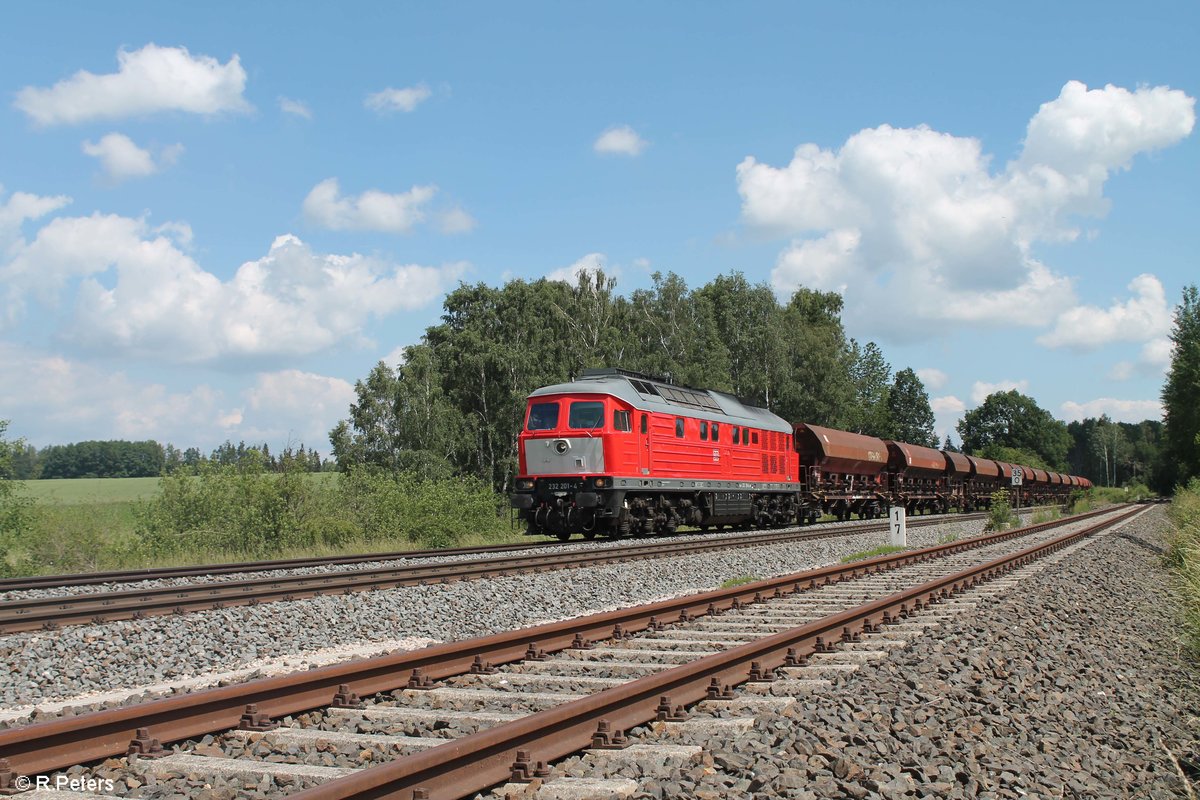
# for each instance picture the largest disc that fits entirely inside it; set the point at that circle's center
(1072, 683)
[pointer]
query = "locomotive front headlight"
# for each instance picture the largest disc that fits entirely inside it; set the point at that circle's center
(601, 483)
(525, 483)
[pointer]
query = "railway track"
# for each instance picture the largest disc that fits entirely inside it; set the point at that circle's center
(245, 567)
(511, 701)
(48, 613)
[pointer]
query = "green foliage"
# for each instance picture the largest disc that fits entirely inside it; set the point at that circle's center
(947, 538)
(1012, 455)
(456, 404)
(870, 412)
(1115, 453)
(909, 409)
(1000, 513)
(1011, 419)
(882, 550)
(740, 580)
(1181, 408)
(1045, 514)
(15, 509)
(256, 514)
(1183, 556)
(108, 459)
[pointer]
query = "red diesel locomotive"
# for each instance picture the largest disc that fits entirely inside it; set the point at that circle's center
(617, 453)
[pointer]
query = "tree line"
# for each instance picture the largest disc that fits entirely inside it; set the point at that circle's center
(456, 402)
(149, 459)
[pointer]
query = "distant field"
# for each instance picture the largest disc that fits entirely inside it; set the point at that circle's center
(87, 491)
(81, 491)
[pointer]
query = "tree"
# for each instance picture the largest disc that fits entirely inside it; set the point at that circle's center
(1181, 392)
(1011, 419)
(870, 374)
(817, 387)
(910, 412)
(1110, 444)
(15, 508)
(948, 445)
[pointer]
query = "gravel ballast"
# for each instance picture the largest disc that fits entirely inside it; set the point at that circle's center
(1069, 685)
(89, 659)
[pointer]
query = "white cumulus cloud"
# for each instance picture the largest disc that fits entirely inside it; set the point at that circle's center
(136, 293)
(1117, 410)
(405, 100)
(946, 413)
(592, 262)
(933, 378)
(372, 210)
(293, 405)
(122, 159)
(71, 400)
(150, 80)
(620, 140)
(19, 208)
(456, 220)
(1144, 316)
(915, 218)
(981, 389)
(296, 108)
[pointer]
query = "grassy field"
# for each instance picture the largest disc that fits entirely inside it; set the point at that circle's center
(90, 524)
(89, 491)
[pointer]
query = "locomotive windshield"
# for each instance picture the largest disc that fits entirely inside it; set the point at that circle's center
(586, 414)
(543, 417)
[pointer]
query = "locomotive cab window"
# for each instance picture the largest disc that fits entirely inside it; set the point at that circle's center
(543, 417)
(645, 422)
(716, 432)
(586, 414)
(703, 431)
(622, 421)
(678, 427)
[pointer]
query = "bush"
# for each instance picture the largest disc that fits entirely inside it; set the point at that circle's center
(1000, 513)
(1183, 556)
(1045, 514)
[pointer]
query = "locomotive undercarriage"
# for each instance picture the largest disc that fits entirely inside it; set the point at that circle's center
(618, 514)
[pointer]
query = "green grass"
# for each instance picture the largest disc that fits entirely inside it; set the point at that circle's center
(1183, 556)
(882, 550)
(85, 525)
(740, 580)
(87, 491)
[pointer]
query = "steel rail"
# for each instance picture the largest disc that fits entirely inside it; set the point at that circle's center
(62, 742)
(48, 613)
(484, 759)
(233, 568)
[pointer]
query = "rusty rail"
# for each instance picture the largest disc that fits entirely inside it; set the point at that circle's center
(484, 759)
(47, 613)
(58, 743)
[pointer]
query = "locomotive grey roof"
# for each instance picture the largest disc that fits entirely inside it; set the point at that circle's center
(649, 394)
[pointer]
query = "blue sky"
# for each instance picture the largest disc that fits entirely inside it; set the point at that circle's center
(215, 219)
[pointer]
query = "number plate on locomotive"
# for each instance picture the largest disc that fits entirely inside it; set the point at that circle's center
(561, 486)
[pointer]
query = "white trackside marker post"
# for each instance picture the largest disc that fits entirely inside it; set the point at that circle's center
(897, 530)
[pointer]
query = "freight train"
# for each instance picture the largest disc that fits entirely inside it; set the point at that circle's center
(617, 453)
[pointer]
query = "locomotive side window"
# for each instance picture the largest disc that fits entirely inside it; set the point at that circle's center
(736, 436)
(622, 421)
(703, 431)
(716, 430)
(586, 414)
(754, 434)
(678, 427)
(645, 422)
(543, 417)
